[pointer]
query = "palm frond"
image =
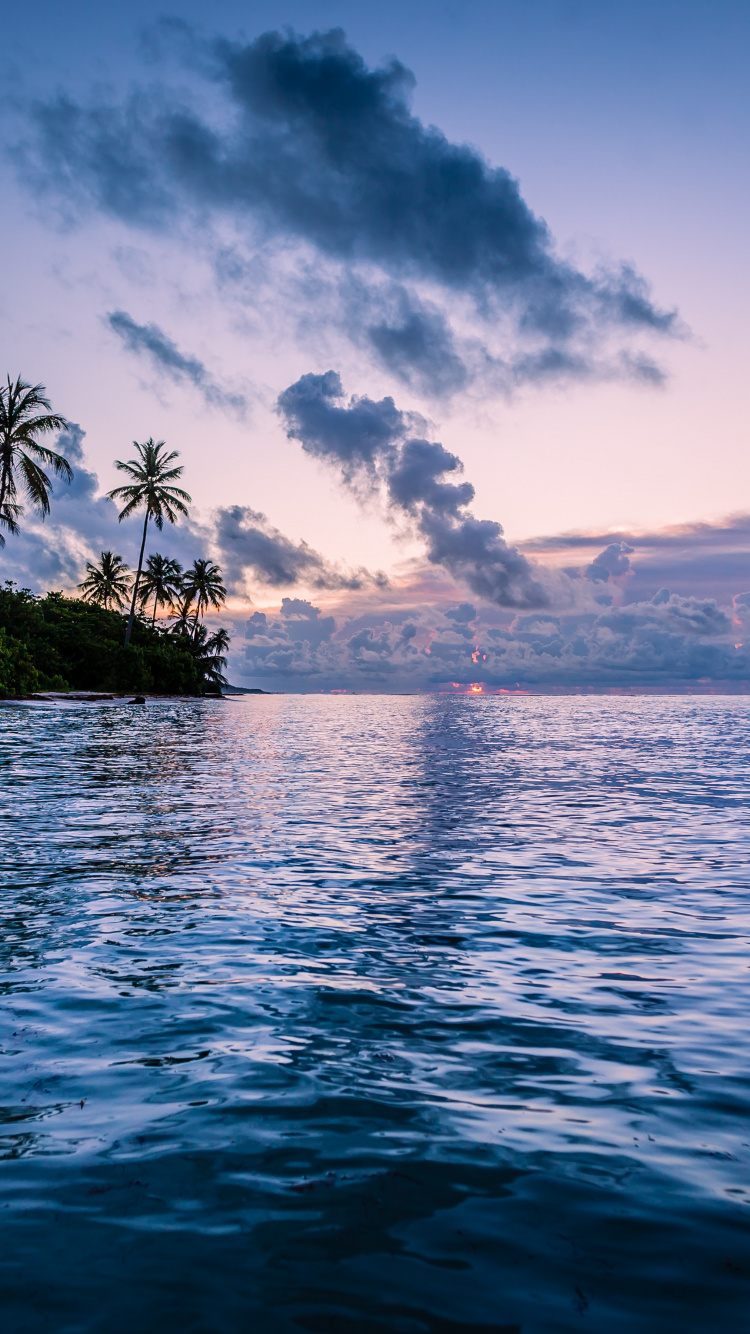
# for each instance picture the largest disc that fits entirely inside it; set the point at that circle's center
(9, 516)
(37, 483)
(150, 486)
(49, 457)
(130, 508)
(132, 469)
(106, 584)
(22, 454)
(49, 421)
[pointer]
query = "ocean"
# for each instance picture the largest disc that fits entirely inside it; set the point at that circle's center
(375, 1015)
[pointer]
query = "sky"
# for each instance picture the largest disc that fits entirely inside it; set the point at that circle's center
(443, 307)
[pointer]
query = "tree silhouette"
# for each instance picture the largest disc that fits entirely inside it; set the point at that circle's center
(162, 581)
(152, 474)
(202, 584)
(23, 457)
(106, 584)
(210, 651)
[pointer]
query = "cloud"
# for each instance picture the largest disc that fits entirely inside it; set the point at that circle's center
(611, 563)
(418, 346)
(53, 553)
(416, 633)
(703, 559)
(296, 140)
(669, 641)
(373, 447)
(151, 341)
(248, 543)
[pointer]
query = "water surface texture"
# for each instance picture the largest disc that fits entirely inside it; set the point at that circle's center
(373, 1015)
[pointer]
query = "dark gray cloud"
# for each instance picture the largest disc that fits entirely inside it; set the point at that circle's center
(250, 545)
(151, 341)
(372, 445)
(309, 144)
(411, 337)
(462, 614)
(420, 349)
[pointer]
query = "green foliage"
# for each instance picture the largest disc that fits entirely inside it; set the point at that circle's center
(18, 675)
(55, 642)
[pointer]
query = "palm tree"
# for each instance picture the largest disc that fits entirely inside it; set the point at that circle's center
(162, 580)
(21, 452)
(203, 585)
(106, 584)
(184, 611)
(209, 652)
(151, 487)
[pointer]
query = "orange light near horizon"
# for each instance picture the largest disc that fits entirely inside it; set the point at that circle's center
(475, 690)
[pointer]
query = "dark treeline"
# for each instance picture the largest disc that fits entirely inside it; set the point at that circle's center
(59, 643)
(108, 638)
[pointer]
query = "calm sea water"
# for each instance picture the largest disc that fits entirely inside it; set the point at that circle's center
(376, 1014)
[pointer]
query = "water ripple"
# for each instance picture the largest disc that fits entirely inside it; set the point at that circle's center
(375, 1014)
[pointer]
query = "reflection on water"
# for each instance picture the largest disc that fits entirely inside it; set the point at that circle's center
(375, 1014)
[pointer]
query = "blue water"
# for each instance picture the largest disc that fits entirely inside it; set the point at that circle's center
(375, 1014)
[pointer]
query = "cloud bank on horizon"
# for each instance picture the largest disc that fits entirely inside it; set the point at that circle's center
(426, 257)
(669, 640)
(418, 632)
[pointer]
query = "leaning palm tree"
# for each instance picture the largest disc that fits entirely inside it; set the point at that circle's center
(151, 487)
(202, 585)
(162, 581)
(23, 457)
(106, 584)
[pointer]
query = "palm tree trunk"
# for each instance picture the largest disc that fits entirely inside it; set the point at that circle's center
(4, 483)
(153, 618)
(131, 617)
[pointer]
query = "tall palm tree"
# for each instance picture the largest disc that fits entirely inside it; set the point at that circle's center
(202, 584)
(23, 457)
(106, 584)
(162, 581)
(152, 475)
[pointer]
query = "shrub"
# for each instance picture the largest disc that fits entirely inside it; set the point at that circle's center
(18, 675)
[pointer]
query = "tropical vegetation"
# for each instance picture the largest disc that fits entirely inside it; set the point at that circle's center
(106, 584)
(162, 581)
(25, 416)
(54, 642)
(150, 488)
